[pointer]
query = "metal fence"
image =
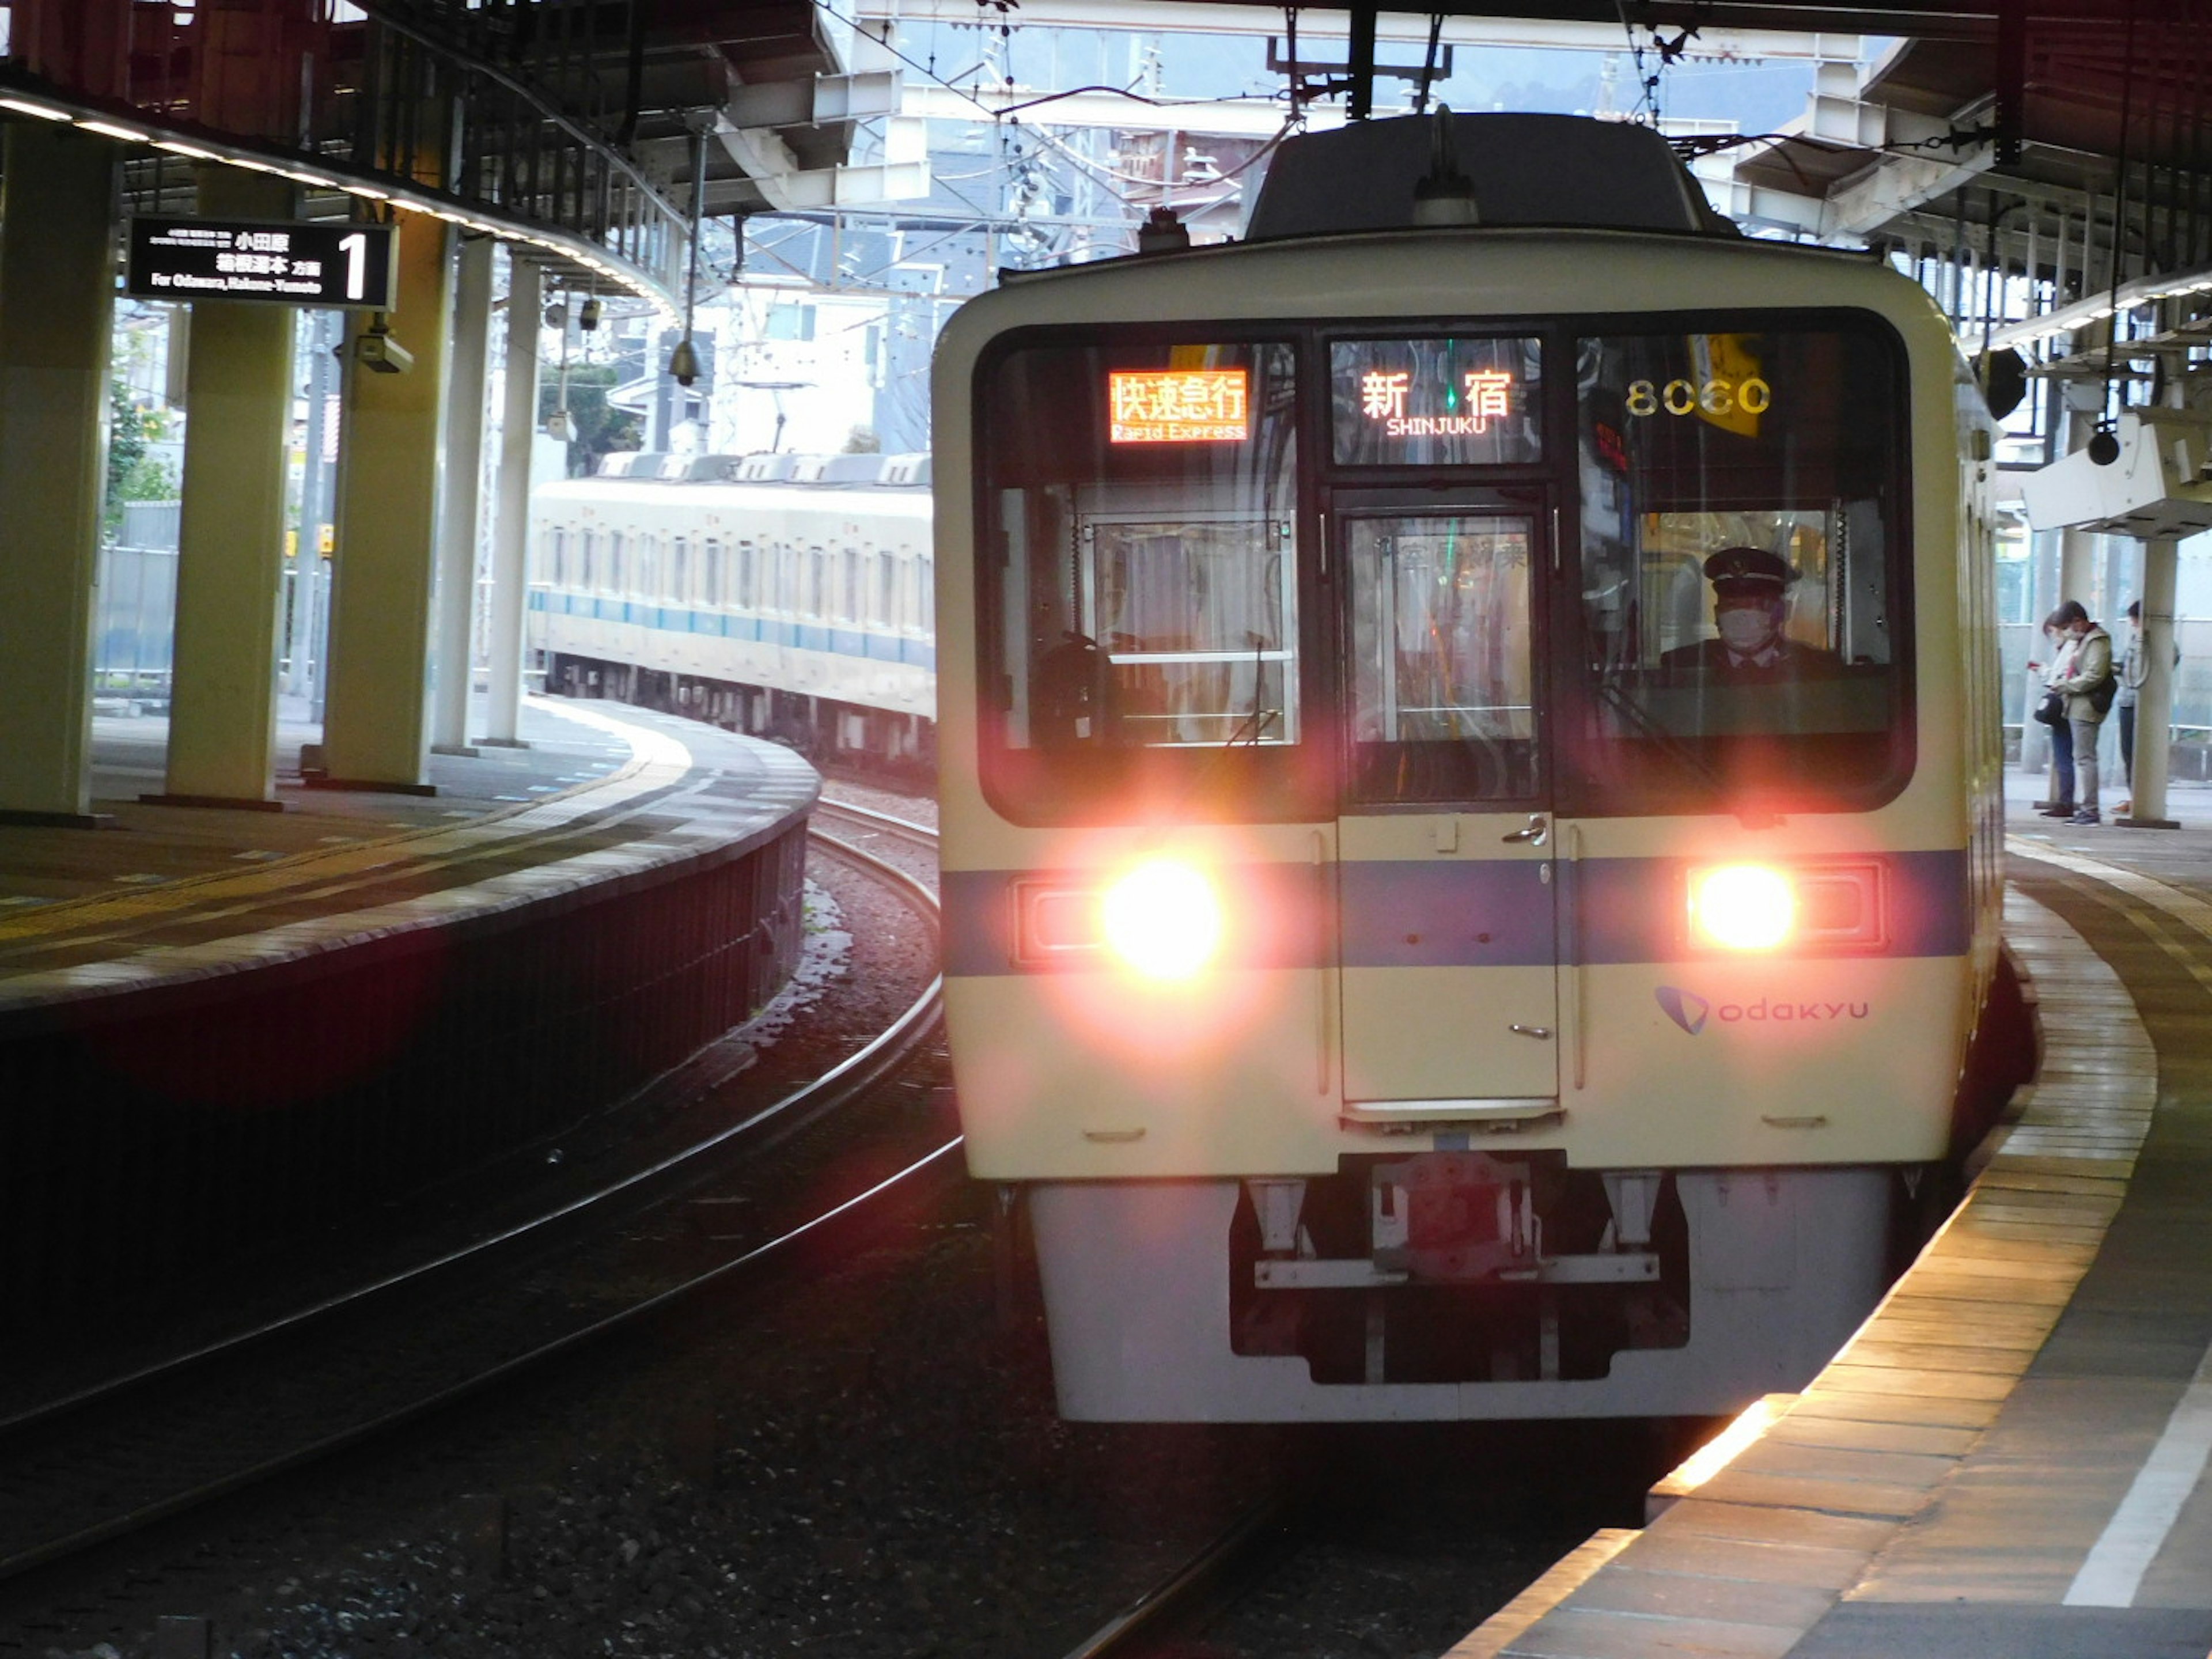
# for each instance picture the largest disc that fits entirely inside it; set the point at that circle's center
(2191, 753)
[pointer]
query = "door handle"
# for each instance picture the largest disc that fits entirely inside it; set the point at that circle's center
(1539, 828)
(1542, 1033)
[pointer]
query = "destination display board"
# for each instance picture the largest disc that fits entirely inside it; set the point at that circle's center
(281, 262)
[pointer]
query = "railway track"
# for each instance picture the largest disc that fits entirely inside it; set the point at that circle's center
(1168, 1618)
(114, 1457)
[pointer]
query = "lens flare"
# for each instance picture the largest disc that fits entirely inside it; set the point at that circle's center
(1744, 907)
(1162, 919)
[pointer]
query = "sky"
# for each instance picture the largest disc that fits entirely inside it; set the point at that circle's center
(1757, 96)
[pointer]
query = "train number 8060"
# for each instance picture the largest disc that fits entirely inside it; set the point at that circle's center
(1715, 397)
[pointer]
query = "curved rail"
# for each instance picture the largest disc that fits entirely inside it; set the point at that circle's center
(1201, 1587)
(126, 1396)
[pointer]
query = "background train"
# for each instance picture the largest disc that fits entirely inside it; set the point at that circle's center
(786, 596)
(1407, 965)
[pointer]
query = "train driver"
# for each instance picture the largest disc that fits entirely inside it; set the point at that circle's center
(1751, 589)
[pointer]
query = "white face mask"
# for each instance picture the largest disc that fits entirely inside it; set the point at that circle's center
(1745, 632)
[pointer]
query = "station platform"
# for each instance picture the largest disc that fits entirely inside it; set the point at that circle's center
(224, 1028)
(2008, 1459)
(165, 891)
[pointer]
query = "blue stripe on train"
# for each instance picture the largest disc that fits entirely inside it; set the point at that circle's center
(1460, 914)
(801, 636)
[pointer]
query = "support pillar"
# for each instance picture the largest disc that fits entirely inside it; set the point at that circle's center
(454, 667)
(376, 703)
(2154, 701)
(230, 563)
(57, 301)
(510, 546)
(303, 672)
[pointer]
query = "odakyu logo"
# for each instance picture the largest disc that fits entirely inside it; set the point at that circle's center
(1690, 1012)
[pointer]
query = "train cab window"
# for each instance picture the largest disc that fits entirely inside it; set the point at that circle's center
(1442, 670)
(1142, 608)
(1744, 606)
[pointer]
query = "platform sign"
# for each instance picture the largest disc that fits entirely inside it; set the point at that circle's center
(283, 262)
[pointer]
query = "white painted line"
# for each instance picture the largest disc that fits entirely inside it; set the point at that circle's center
(2138, 1529)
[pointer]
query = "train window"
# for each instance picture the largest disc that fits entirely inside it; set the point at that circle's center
(887, 569)
(716, 565)
(679, 572)
(818, 584)
(849, 567)
(1440, 401)
(1144, 613)
(612, 576)
(557, 556)
(746, 597)
(588, 560)
(1444, 699)
(1742, 589)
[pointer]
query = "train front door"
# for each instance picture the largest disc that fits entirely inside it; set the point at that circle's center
(1446, 917)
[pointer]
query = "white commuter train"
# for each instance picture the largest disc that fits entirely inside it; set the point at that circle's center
(784, 595)
(1407, 965)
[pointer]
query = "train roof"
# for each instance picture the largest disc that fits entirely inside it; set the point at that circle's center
(901, 471)
(1554, 171)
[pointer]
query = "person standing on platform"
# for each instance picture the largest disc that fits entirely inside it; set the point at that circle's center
(2060, 789)
(2088, 687)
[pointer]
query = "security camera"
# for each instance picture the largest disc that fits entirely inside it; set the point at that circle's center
(378, 351)
(588, 319)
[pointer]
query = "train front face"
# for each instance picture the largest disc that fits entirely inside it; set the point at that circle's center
(1459, 824)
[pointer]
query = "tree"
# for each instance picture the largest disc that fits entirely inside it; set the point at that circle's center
(132, 475)
(596, 427)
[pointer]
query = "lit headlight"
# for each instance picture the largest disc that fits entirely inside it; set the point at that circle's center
(1163, 918)
(1741, 907)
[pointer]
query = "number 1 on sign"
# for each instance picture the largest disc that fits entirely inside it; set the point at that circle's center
(355, 249)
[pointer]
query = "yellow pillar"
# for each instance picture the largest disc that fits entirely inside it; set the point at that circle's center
(230, 567)
(376, 709)
(57, 300)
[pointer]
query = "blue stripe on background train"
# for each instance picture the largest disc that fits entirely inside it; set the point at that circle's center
(789, 596)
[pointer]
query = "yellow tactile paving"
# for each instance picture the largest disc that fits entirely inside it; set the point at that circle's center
(656, 762)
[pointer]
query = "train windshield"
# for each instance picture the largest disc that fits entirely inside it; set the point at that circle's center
(1146, 640)
(1742, 569)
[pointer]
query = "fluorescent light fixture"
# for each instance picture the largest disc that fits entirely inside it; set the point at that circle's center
(368, 191)
(2093, 309)
(24, 106)
(109, 129)
(192, 150)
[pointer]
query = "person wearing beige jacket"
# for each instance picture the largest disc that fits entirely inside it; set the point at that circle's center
(2088, 687)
